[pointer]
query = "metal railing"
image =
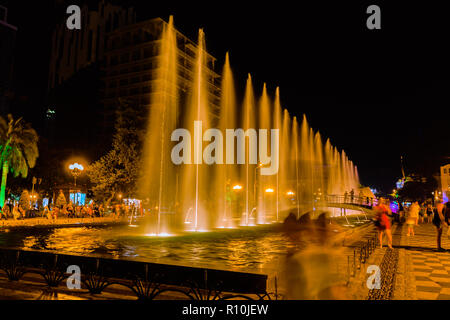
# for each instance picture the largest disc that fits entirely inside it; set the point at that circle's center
(361, 254)
(145, 280)
(351, 200)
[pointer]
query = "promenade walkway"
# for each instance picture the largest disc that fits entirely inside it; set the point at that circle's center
(422, 272)
(44, 222)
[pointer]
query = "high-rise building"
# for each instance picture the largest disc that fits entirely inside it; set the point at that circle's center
(73, 50)
(113, 59)
(131, 60)
(7, 44)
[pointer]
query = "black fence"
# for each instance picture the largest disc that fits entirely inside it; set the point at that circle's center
(146, 280)
(361, 254)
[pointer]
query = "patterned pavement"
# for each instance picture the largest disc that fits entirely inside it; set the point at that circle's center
(429, 277)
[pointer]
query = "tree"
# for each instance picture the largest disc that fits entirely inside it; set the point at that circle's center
(61, 199)
(24, 201)
(418, 189)
(119, 169)
(18, 149)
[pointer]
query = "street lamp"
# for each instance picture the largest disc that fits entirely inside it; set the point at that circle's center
(268, 191)
(260, 165)
(75, 169)
(33, 200)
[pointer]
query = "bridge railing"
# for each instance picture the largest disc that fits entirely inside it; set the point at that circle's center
(348, 199)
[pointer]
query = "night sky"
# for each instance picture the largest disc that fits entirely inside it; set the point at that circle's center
(377, 94)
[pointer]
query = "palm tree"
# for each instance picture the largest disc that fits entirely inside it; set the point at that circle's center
(18, 149)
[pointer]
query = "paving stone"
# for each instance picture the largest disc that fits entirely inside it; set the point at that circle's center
(422, 295)
(430, 269)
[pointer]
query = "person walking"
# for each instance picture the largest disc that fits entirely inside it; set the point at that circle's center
(422, 212)
(401, 212)
(382, 223)
(16, 212)
(429, 213)
(413, 218)
(46, 213)
(439, 222)
(5, 211)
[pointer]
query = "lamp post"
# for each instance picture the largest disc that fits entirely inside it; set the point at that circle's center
(76, 169)
(236, 188)
(269, 191)
(260, 165)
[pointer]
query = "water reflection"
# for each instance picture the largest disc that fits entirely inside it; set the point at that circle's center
(253, 250)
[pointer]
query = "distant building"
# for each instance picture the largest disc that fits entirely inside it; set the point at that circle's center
(131, 60)
(112, 57)
(7, 45)
(73, 50)
(445, 182)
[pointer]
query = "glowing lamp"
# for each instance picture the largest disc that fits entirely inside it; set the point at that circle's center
(76, 166)
(269, 190)
(237, 187)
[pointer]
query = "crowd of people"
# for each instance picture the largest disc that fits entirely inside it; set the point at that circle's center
(412, 216)
(70, 210)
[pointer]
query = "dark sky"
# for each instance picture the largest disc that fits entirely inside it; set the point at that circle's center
(377, 94)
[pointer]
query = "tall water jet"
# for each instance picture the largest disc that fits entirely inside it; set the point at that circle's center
(344, 169)
(159, 174)
(340, 187)
(263, 181)
(312, 168)
(195, 199)
(277, 124)
(296, 157)
(329, 175)
(319, 168)
(287, 175)
(250, 144)
(306, 159)
(226, 174)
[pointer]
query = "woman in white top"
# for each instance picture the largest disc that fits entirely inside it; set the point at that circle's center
(413, 217)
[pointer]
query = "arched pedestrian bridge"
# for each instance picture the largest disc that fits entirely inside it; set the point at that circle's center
(364, 204)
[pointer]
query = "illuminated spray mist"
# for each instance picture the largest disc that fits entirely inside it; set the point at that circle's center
(198, 196)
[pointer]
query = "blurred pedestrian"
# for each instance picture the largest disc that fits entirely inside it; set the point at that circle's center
(17, 215)
(446, 214)
(429, 212)
(70, 210)
(401, 212)
(352, 195)
(5, 212)
(413, 218)
(382, 222)
(46, 213)
(422, 212)
(311, 272)
(439, 222)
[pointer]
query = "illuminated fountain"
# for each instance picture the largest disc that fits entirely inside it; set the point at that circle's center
(199, 196)
(195, 182)
(226, 174)
(158, 183)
